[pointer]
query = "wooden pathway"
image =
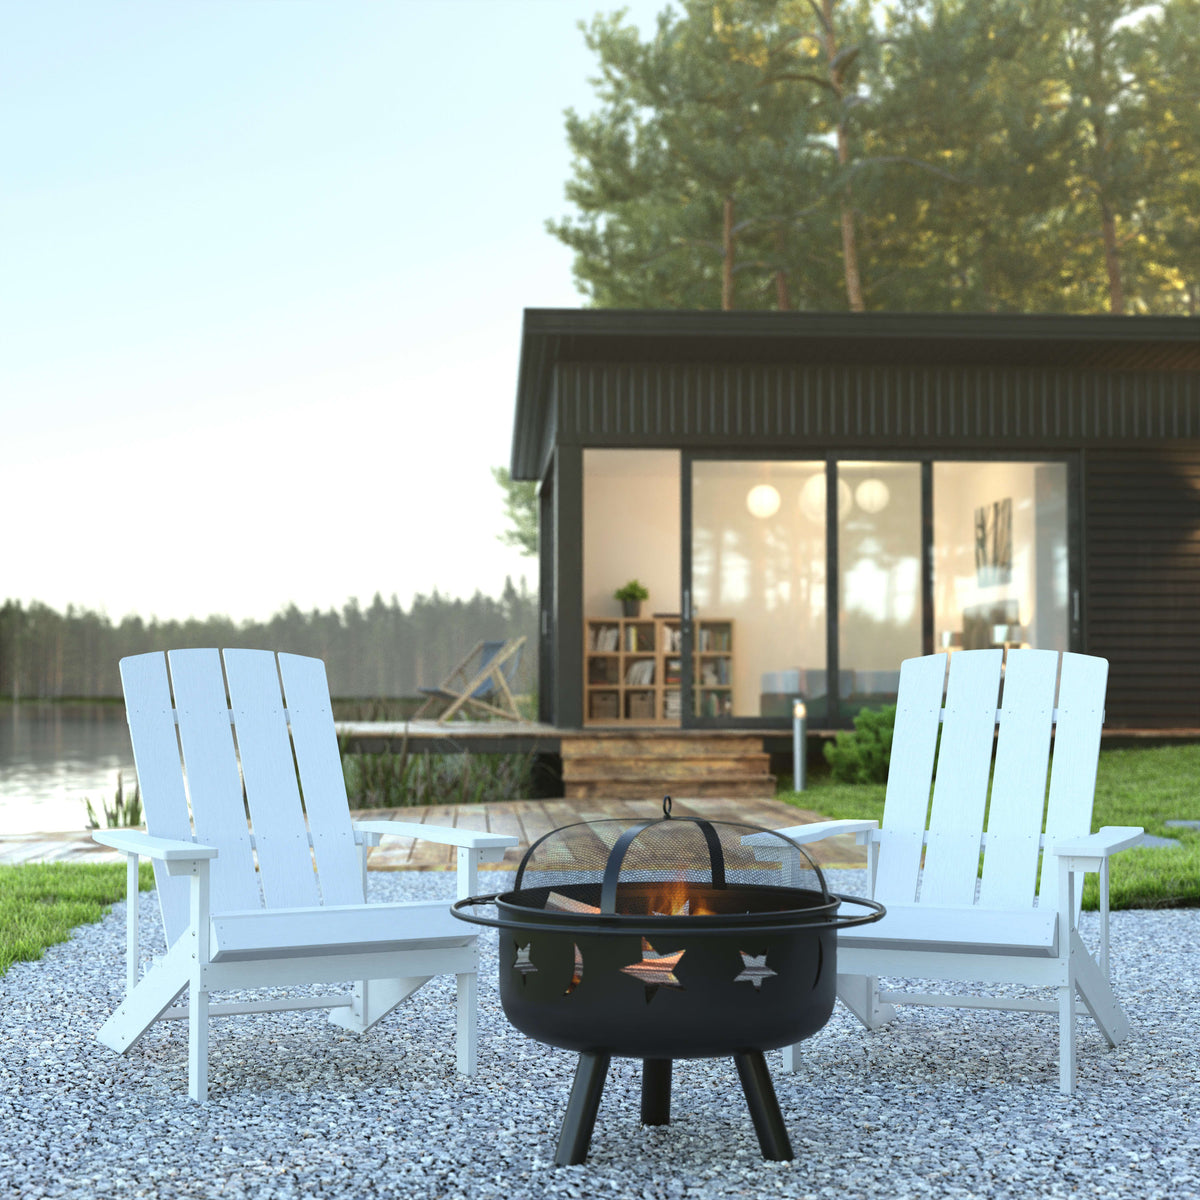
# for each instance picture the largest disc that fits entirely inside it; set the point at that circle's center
(525, 819)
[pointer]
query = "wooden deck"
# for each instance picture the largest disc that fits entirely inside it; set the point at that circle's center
(525, 819)
(530, 819)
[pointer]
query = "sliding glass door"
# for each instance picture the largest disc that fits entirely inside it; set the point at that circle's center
(815, 578)
(879, 605)
(755, 604)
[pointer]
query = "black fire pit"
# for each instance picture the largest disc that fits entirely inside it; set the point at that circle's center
(668, 938)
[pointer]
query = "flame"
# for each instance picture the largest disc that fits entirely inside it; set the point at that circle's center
(676, 899)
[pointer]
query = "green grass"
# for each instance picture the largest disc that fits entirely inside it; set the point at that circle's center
(40, 903)
(1144, 787)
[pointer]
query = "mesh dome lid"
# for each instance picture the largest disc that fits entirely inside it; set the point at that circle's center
(600, 858)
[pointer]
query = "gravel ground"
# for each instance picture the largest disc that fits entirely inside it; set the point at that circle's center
(941, 1103)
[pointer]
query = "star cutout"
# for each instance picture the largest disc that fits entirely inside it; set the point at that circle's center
(754, 969)
(577, 974)
(523, 966)
(655, 970)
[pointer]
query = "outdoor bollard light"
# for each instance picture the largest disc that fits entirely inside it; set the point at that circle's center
(799, 743)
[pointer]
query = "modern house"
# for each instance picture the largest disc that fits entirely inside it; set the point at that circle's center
(811, 498)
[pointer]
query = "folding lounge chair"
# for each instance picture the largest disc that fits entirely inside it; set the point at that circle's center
(300, 917)
(480, 684)
(948, 918)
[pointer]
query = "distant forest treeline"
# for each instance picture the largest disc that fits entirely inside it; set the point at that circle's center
(381, 651)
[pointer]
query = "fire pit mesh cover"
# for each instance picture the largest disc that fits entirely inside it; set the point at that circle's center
(681, 851)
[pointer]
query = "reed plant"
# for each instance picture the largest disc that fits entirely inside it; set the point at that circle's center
(405, 779)
(124, 814)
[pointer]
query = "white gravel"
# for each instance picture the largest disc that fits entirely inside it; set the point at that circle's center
(941, 1103)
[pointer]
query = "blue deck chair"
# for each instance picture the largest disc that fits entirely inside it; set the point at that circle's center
(479, 685)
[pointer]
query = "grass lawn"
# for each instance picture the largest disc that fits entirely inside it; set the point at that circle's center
(1144, 787)
(40, 903)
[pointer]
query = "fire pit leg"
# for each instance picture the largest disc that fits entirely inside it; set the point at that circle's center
(582, 1107)
(764, 1107)
(656, 1091)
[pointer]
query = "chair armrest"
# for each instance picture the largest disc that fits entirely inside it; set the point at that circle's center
(443, 834)
(178, 856)
(815, 831)
(1088, 853)
(134, 841)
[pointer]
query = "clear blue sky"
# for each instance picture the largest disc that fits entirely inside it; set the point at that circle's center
(263, 270)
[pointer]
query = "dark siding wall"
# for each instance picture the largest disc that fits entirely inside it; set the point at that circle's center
(753, 404)
(1142, 573)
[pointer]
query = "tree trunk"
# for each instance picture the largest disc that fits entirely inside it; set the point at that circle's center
(849, 237)
(1116, 289)
(727, 261)
(783, 298)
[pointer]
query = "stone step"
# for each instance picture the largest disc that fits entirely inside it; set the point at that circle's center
(654, 788)
(644, 766)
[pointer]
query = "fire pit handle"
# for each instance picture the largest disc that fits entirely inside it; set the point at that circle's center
(457, 908)
(877, 911)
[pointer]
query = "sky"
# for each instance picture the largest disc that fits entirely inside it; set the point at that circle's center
(263, 265)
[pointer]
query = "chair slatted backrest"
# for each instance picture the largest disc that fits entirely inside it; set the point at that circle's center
(272, 793)
(1081, 692)
(213, 769)
(948, 872)
(315, 740)
(960, 788)
(1010, 864)
(151, 717)
(918, 709)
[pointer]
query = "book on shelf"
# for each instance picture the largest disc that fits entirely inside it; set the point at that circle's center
(640, 673)
(715, 639)
(603, 639)
(639, 639)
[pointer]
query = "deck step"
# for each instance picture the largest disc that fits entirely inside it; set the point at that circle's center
(700, 767)
(758, 787)
(620, 745)
(625, 764)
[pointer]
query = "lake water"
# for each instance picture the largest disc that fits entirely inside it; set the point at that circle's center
(52, 757)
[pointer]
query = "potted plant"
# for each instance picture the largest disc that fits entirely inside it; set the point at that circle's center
(631, 597)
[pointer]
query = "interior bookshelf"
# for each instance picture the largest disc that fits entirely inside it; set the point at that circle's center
(712, 676)
(633, 670)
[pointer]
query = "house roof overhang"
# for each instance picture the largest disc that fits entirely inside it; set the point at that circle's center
(553, 336)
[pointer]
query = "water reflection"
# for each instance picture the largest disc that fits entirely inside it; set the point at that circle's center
(52, 756)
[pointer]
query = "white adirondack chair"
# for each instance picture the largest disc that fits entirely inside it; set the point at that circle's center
(283, 905)
(946, 918)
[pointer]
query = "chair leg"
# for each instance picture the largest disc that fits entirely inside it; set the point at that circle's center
(860, 994)
(197, 1042)
(1097, 993)
(468, 1022)
(1067, 1044)
(372, 1000)
(791, 1058)
(155, 992)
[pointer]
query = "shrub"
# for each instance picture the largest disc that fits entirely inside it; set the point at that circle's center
(863, 756)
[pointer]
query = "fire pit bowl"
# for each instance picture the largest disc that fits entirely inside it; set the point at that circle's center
(669, 938)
